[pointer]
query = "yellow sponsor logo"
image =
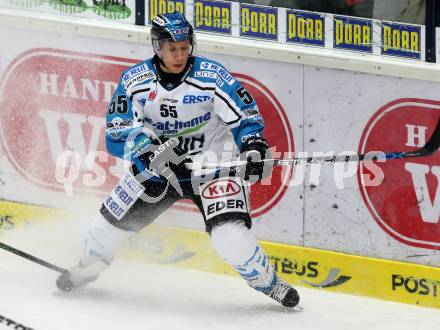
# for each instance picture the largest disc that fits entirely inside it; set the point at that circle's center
(209, 14)
(385, 279)
(304, 27)
(396, 39)
(415, 286)
(352, 34)
(258, 22)
(165, 6)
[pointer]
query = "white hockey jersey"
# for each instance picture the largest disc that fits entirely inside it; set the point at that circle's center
(208, 110)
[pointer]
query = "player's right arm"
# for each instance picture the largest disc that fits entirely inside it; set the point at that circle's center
(123, 135)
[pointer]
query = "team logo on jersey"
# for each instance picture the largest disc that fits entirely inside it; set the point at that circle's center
(117, 126)
(119, 122)
(405, 201)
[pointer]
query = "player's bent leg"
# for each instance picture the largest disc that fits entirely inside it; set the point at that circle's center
(122, 214)
(239, 248)
(101, 243)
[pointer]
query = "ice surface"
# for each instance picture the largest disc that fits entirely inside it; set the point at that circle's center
(132, 295)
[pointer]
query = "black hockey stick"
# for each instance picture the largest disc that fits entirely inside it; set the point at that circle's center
(32, 258)
(431, 146)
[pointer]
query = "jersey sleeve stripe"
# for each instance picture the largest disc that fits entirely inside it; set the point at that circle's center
(230, 107)
(137, 92)
(223, 98)
(198, 86)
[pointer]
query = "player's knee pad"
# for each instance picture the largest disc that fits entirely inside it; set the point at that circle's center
(233, 242)
(239, 248)
(102, 240)
(226, 218)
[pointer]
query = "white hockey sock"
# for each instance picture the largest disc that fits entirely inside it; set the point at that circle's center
(102, 241)
(239, 248)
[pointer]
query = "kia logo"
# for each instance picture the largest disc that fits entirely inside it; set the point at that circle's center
(221, 188)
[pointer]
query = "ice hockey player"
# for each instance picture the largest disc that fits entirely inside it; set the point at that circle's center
(167, 111)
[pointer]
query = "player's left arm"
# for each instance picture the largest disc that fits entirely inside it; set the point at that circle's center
(237, 108)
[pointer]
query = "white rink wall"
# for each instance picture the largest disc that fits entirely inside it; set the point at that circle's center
(313, 100)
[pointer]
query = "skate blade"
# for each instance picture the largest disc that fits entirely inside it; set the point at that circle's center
(71, 293)
(298, 308)
(295, 309)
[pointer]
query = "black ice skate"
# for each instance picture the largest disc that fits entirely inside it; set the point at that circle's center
(284, 294)
(80, 276)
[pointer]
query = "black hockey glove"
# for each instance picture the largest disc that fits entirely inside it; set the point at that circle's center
(254, 150)
(164, 157)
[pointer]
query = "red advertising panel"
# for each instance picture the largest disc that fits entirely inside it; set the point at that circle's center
(407, 202)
